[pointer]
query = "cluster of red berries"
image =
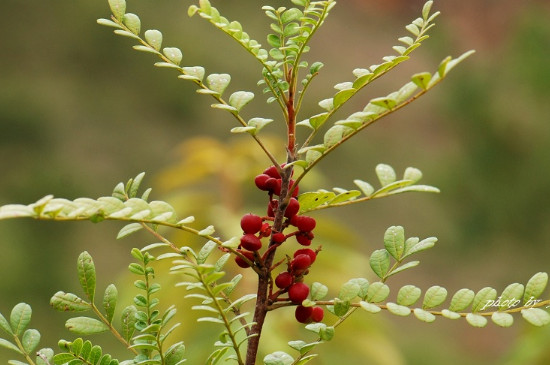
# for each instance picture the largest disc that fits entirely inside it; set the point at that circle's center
(255, 228)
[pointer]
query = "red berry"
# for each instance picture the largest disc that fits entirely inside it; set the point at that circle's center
(266, 230)
(298, 292)
(271, 208)
(284, 280)
(261, 180)
(306, 251)
(303, 239)
(243, 263)
(272, 171)
(303, 314)
(300, 262)
(292, 208)
(303, 223)
(278, 237)
(250, 242)
(317, 314)
(251, 223)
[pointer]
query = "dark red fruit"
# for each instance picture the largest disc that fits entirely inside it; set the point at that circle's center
(306, 251)
(266, 230)
(284, 280)
(278, 237)
(300, 262)
(303, 314)
(261, 180)
(317, 314)
(272, 172)
(292, 208)
(303, 239)
(243, 263)
(303, 223)
(250, 242)
(298, 292)
(251, 223)
(271, 208)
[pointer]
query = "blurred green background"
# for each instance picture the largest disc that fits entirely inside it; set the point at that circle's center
(81, 111)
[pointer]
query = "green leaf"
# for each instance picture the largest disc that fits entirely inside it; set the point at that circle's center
(511, 296)
(207, 231)
(371, 308)
(173, 54)
(109, 301)
(20, 318)
(342, 96)
(363, 286)
(10, 346)
(218, 82)
(386, 174)
(349, 291)
(205, 251)
(385, 102)
(408, 295)
(423, 315)
(174, 354)
(318, 291)
(380, 262)
(364, 186)
(335, 134)
(118, 8)
(394, 241)
(377, 292)
(68, 302)
(422, 80)
(85, 326)
(461, 300)
(412, 245)
(290, 15)
(86, 274)
(311, 200)
(154, 38)
(434, 296)
(240, 98)
(535, 286)
(128, 230)
(4, 325)
(278, 358)
(450, 314)
(476, 320)
(30, 340)
(536, 316)
(341, 307)
(406, 266)
(128, 319)
(398, 310)
(132, 22)
(258, 123)
(502, 319)
(44, 356)
(483, 298)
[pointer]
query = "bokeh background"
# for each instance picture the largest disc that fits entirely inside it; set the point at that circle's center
(81, 111)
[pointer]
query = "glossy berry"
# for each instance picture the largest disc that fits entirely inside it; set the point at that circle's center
(251, 223)
(243, 263)
(300, 262)
(303, 314)
(303, 223)
(265, 231)
(278, 237)
(271, 208)
(261, 180)
(303, 239)
(284, 280)
(272, 172)
(298, 292)
(250, 242)
(317, 314)
(306, 251)
(292, 208)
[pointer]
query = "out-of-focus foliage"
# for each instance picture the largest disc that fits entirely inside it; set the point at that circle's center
(486, 145)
